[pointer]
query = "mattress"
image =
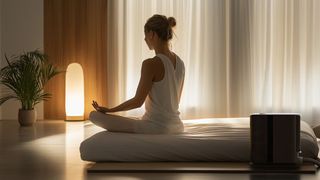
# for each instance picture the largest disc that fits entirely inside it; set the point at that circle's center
(218, 139)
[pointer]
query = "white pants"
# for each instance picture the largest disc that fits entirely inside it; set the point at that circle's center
(115, 123)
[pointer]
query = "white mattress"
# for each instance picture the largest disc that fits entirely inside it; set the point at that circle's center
(224, 139)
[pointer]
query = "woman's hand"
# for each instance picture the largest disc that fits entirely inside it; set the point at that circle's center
(99, 108)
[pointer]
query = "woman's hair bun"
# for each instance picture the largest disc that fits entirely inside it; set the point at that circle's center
(172, 21)
(161, 25)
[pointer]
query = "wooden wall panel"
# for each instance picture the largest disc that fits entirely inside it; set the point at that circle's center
(76, 31)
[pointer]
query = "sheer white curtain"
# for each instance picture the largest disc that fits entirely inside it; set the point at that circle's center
(285, 57)
(241, 56)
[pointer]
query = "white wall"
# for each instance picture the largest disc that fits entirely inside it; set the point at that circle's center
(21, 30)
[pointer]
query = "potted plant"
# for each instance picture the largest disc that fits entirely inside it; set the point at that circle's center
(24, 78)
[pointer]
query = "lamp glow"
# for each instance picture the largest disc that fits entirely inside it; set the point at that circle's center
(74, 92)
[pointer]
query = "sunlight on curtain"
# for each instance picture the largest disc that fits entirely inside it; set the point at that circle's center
(241, 56)
(285, 57)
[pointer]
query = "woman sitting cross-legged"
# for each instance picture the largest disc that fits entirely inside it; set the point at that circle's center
(160, 88)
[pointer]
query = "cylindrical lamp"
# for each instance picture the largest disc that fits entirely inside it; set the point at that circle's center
(74, 93)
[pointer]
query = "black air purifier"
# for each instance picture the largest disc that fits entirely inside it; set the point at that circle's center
(275, 139)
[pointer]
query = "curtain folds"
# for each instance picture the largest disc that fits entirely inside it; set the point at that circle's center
(285, 58)
(241, 56)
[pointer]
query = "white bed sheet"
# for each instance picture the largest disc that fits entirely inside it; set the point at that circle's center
(217, 139)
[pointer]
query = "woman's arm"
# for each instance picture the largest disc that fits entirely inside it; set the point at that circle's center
(145, 84)
(181, 89)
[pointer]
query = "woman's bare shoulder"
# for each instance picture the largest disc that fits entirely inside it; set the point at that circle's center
(152, 62)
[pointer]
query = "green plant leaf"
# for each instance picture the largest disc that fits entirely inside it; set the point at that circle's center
(6, 98)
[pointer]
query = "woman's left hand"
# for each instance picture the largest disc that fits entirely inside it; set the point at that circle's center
(99, 108)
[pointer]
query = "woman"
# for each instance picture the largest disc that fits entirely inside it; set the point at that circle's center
(160, 87)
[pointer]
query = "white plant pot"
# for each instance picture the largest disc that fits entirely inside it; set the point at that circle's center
(27, 117)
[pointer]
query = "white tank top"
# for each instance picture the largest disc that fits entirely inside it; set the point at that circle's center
(162, 102)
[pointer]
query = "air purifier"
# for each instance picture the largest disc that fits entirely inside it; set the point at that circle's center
(275, 139)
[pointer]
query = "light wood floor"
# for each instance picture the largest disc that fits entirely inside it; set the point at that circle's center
(50, 150)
